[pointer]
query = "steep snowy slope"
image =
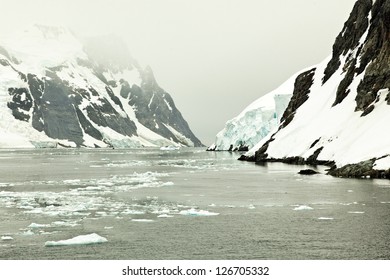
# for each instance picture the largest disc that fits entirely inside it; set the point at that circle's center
(339, 110)
(55, 89)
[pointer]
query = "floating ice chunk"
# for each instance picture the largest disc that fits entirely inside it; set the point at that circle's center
(350, 191)
(34, 225)
(28, 233)
(164, 216)
(303, 207)
(6, 238)
(72, 181)
(88, 239)
(355, 212)
(194, 212)
(167, 184)
(325, 218)
(142, 220)
(108, 227)
(251, 206)
(212, 205)
(132, 212)
(161, 211)
(65, 223)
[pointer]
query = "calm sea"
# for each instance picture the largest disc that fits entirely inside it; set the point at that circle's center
(184, 204)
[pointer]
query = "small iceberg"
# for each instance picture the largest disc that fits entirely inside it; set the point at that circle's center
(302, 207)
(325, 218)
(88, 239)
(142, 220)
(194, 212)
(164, 216)
(355, 212)
(34, 225)
(6, 238)
(169, 148)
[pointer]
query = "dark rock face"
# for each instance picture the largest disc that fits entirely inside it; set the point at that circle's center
(301, 91)
(21, 103)
(59, 115)
(358, 170)
(375, 56)
(156, 109)
(363, 169)
(349, 37)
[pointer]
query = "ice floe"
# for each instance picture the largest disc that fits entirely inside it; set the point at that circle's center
(88, 239)
(6, 238)
(34, 225)
(164, 216)
(302, 207)
(355, 212)
(142, 220)
(195, 212)
(325, 218)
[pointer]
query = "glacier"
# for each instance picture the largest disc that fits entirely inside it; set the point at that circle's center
(256, 121)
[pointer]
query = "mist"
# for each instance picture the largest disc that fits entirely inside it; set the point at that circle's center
(213, 57)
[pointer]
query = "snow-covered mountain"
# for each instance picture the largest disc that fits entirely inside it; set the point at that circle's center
(58, 89)
(338, 114)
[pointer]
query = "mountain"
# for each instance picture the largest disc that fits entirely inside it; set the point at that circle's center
(57, 89)
(339, 110)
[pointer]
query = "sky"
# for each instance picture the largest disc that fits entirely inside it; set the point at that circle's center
(214, 57)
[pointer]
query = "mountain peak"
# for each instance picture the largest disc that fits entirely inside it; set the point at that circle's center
(109, 52)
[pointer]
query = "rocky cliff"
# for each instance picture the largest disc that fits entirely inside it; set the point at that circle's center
(58, 89)
(338, 114)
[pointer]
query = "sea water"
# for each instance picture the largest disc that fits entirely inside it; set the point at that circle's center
(183, 204)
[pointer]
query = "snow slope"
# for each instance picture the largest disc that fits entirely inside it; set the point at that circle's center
(343, 117)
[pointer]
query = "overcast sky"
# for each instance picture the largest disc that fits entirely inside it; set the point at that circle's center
(213, 56)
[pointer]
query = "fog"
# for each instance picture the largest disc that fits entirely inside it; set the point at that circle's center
(213, 56)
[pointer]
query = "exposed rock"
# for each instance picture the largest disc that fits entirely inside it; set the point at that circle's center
(308, 172)
(349, 37)
(358, 170)
(301, 91)
(375, 56)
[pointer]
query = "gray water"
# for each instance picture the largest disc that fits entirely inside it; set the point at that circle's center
(212, 207)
